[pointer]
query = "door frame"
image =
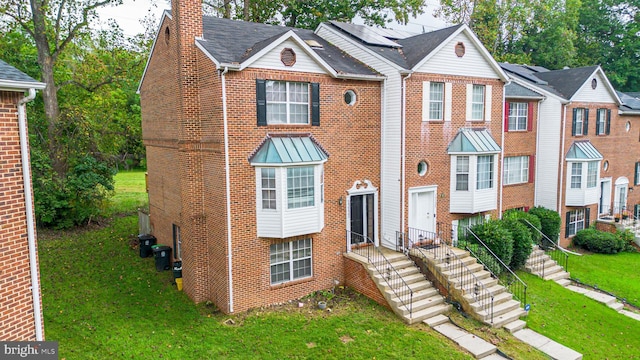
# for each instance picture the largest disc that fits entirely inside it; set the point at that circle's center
(412, 203)
(604, 202)
(621, 182)
(362, 187)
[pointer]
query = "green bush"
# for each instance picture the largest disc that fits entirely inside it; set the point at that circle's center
(497, 238)
(521, 216)
(627, 238)
(484, 257)
(550, 221)
(599, 241)
(522, 244)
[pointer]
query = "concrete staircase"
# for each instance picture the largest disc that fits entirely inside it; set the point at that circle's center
(466, 277)
(426, 301)
(540, 264)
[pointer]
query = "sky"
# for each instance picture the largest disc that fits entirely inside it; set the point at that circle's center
(131, 12)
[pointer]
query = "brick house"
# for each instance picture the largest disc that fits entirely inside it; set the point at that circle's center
(20, 300)
(581, 171)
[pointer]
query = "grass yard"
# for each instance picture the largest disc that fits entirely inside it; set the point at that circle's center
(622, 275)
(130, 193)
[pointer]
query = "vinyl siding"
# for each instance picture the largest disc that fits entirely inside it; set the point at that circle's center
(472, 201)
(304, 62)
(600, 94)
(548, 154)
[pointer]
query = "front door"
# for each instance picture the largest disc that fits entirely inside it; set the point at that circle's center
(605, 196)
(422, 210)
(362, 219)
(620, 195)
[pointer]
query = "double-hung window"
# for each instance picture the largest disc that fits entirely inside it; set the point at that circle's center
(603, 121)
(636, 178)
(436, 101)
(477, 103)
(518, 112)
(592, 174)
(268, 188)
(290, 261)
(516, 170)
(462, 173)
(485, 172)
(287, 102)
(576, 221)
(576, 175)
(300, 187)
(580, 124)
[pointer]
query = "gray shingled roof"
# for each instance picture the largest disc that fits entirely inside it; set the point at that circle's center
(9, 73)
(513, 90)
(567, 81)
(232, 41)
(629, 101)
(413, 50)
(530, 74)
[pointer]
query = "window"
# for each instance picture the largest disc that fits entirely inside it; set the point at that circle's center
(576, 175)
(518, 116)
(462, 173)
(592, 174)
(177, 243)
(436, 100)
(268, 188)
(580, 125)
(636, 180)
(350, 97)
(516, 170)
(290, 261)
(287, 102)
(576, 221)
(485, 172)
(300, 187)
(477, 103)
(601, 120)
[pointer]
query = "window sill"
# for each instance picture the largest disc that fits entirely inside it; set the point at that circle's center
(291, 283)
(516, 184)
(433, 121)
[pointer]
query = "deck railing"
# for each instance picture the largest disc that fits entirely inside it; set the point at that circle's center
(365, 246)
(555, 252)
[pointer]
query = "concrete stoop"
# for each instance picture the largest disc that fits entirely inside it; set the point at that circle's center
(550, 269)
(505, 309)
(426, 300)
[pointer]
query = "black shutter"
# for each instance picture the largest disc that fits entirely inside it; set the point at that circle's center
(587, 214)
(566, 224)
(607, 125)
(585, 122)
(261, 101)
(315, 104)
(573, 123)
(636, 180)
(636, 209)
(598, 121)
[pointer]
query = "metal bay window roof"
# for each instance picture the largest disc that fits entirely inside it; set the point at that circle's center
(288, 149)
(583, 151)
(473, 141)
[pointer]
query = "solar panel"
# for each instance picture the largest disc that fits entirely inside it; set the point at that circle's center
(366, 34)
(518, 70)
(391, 34)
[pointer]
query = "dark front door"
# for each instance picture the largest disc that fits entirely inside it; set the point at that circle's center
(362, 218)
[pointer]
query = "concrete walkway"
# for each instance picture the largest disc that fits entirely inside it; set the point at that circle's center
(546, 345)
(608, 300)
(478, 347)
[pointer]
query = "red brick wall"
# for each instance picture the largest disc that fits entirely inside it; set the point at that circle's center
(16, 300)
(357, 277)
(428, 141)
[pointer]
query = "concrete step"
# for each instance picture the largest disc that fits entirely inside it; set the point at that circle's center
(397, 264)
(466, 260)
(478, 347)
(396, 284)
(389, 271)
(508, 317)
(514, 326)
(499, 309)
(429, 312)
(483, 276)
(497, 299)
(427, 292)
(436, 320)
(457, 270)
(557, 275)
(419, 305)
(563, 282)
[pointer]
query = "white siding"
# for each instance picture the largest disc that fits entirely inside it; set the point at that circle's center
(472, 201)
(548, 153)
(304, 62)
(472, 64)
(600, 94)
(448, 101)
(582, 197)
(390, 194)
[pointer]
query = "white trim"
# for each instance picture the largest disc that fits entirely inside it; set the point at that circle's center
(10, 85)
(448, 100)
(424, 189)
(227, 188)
(362, 187)
(476, 42)
(426, 98)
(488, 95)
(608, 85)
(469, 102)
(165, 14)
(560, 198)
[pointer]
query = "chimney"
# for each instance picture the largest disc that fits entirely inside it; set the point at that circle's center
(188, 17)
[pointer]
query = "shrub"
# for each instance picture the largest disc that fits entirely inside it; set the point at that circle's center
(599, 241)
(550, 221)
(522, 244)
(521, 216)
(497, 238)
(484, 257)
(627, 238)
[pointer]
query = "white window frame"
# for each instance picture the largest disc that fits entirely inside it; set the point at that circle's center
(601, 121)
(436, 106)
(576, 221)
(592, 174)
(518, 116)
(477, 102)
(300, 187)
(576, 175)
(485, 182)
(288, 255)
(270, 189)
(289, 103)
(579, 119)
(516, 170)
(462, 171)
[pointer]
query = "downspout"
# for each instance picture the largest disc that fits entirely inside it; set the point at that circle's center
(28, 199)
(383, 109)
(403, 142)
(500, 178)
(535, 175)
(227, 188)
(562, 140)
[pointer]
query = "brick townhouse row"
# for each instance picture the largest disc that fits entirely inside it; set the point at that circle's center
(272, 151)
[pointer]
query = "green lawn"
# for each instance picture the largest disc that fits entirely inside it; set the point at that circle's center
(130, 193)
(618, 273)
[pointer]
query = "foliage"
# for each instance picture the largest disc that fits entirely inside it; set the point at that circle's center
(484, 257)
(549, 220)
(521, 216)
(599, 241)
(497, 238)
(522, 243)
(628, 238)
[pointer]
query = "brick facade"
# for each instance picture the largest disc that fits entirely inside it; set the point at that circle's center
(16, 299)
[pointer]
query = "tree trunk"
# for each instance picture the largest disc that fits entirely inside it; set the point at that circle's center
(245, 10)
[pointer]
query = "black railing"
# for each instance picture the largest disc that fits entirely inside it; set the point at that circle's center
(506, 277)
(555, 252)
(365, 246)
(434, 245)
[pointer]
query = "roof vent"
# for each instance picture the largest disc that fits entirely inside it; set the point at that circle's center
(313, 43)
(288, 57)
(460, 50)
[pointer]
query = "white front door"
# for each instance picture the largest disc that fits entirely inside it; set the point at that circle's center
(620, 195)
(605, 196)
(422, 209)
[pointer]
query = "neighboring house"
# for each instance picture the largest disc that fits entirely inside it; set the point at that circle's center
(581, 170)
(20, 300)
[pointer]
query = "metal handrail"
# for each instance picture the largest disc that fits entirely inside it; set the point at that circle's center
(516, 286)
(386, 270)
(555, 252)
(429, 242)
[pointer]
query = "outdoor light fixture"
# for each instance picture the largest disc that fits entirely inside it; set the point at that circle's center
(340, 201)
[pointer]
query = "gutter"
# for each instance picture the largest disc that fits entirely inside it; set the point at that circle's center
(28, 199)
(227, 188)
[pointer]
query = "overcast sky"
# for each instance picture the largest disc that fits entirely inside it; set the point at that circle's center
(131, 12)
